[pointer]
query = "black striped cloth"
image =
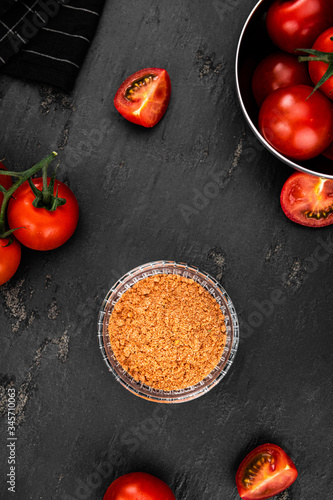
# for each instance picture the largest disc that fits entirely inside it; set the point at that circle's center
(47, 40)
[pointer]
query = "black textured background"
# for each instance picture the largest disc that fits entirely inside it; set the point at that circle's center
(142, 197)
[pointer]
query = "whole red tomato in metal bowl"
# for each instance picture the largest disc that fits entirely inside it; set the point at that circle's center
(138, 486)
(318, 69)
(295, 24)
(277, 70)
(298, 126)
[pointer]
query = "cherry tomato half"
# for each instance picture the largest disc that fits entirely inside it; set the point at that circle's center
(295, 24)
(265, 471)
(143, 97)
(275, 71)
(5, 181)
(308, 200)
(39, 228)
(138, 486)
(298, 126)
(10, 258)
(317, 69)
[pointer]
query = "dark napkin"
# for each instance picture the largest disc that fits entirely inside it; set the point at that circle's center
(5, 5)
(47, 40)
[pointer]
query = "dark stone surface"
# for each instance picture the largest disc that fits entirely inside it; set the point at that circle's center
(132, 185)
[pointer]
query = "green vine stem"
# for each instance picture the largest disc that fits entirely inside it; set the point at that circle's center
(317, 55)
(22, 177)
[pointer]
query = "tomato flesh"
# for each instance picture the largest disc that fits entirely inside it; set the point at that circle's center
(308, 200)
(10, 257)
(38, 228)
(138, 486)
(265, 471)
(143, 97)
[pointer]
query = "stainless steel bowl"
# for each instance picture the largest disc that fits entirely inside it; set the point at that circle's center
(254, 44)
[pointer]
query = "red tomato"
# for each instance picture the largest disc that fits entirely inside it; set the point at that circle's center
(329, 152)
(317, 69)
(10, 257)
(5, 181)
(265, 471)
(138, 486)
(308, 200)
(298, 126)
(295, 24)
(39, 228)
(144, 96)
(275, 71)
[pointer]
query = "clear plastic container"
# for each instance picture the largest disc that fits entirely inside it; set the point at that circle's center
(207, 282)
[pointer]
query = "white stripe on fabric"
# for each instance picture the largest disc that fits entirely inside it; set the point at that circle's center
(81, 8)
(51, 57)
(67, 34)
(2, 60)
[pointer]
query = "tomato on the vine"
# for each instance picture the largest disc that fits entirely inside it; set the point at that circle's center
(298, 126)
(277, 70)
(295, 24)
(138, 485)
(39, 228)
(317, 69)
(143, 97)
(10, 257)
(5, 181)
(308, 200)
(265, 471)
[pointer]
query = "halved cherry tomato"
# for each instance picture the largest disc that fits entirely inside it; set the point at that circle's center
(317, 69)
(10, 257)
(144, 96)
(295, 24)
(265, 471)
(298, 126)
(38, 228)
(308, 200)
(5, 181)
(138, 486)
(275, 71)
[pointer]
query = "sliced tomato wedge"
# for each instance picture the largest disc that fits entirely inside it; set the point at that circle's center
(308, 200)
(143, 97)
(265, 471)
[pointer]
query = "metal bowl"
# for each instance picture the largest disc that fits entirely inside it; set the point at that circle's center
(254, 44)
(221, 297)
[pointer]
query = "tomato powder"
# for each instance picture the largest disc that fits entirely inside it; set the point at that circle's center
(167, 332)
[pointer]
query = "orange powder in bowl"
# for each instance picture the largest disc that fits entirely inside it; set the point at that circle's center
(167, 332)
